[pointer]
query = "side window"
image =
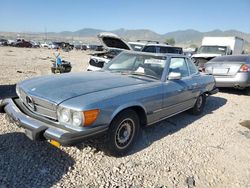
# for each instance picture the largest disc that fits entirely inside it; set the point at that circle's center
(163, 50)
(178, 64)
(149, 49)
(192, 67)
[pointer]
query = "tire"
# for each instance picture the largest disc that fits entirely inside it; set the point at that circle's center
(199, 105)
(247, 91)
(122, 133)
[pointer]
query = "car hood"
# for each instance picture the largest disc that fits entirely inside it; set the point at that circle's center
(58, 88)
(111, 40)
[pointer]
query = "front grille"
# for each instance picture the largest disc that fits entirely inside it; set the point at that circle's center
(38, 106)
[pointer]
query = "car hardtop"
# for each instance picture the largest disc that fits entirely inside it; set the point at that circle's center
(158, 44)
(156, 54)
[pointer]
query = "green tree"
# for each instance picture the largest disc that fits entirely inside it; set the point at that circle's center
(170, 41)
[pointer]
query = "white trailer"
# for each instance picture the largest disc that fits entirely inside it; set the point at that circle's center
(217, 46)
(234, 45)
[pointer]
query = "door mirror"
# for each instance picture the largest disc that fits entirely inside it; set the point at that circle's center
(174, 76)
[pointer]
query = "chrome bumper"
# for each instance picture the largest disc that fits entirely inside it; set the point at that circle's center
(38, 130)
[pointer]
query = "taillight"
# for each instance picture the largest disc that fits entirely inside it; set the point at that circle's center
(244, 68)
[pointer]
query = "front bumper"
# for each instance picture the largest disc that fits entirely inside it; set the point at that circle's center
(39, 130)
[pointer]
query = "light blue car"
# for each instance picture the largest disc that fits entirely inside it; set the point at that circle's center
(135, 89)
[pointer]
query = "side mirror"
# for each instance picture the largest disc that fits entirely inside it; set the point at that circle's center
(174, 76)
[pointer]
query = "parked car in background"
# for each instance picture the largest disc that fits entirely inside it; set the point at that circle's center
(138, 45)
(54, 45)
(22, 43)
(135, 89)
(156, 47)
(62, 45)
(231, 71)
(115, 44)
(3, 42)
(35, 44)
(80, 46)
(11, 42)
(44, 45)
(95, 47)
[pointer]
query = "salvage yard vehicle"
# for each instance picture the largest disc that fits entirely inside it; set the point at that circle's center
(135, 89)
(22, 43)
(217, 46)
(114, 45)
(231, 71)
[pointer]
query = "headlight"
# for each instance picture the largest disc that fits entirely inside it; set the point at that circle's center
(69, 117)
(76, 118)
(65, 115)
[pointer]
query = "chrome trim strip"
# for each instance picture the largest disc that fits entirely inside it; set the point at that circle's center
(168, 116)
(158, 110)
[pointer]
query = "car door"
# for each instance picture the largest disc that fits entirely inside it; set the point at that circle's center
(177, 93)
(194, 80)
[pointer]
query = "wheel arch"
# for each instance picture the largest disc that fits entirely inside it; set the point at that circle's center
(139, 109)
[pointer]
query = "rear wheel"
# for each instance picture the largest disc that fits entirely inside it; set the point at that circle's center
(122, 133)
(199, 105)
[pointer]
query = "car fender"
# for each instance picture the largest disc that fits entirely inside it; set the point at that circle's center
(126, 106)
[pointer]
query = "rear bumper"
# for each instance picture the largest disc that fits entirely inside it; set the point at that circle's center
(240, 80)
(39, 130)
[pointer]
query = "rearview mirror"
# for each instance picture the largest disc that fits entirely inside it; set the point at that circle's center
(174, 76)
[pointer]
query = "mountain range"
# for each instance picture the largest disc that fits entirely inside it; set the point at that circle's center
(182, 37)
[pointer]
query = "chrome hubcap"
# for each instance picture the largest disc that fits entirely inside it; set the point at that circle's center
(124, 133)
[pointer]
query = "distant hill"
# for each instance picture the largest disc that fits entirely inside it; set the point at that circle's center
(182, 37)
(185, 37)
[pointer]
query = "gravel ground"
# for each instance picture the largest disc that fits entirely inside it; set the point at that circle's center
(210, 150)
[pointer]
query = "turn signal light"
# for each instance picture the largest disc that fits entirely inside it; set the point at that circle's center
(55, 143)
(90, 116)
(244, 68)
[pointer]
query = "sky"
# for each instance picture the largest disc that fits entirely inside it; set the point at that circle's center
(161, 16)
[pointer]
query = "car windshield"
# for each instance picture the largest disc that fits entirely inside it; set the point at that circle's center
(138, 65)
(212, 50)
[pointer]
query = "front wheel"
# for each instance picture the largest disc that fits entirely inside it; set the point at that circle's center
(199, 105)
(122, 133)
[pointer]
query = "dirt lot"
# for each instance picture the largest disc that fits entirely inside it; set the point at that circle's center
(211, 150)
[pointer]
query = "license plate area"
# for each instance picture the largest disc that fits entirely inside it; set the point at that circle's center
(220, 71)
